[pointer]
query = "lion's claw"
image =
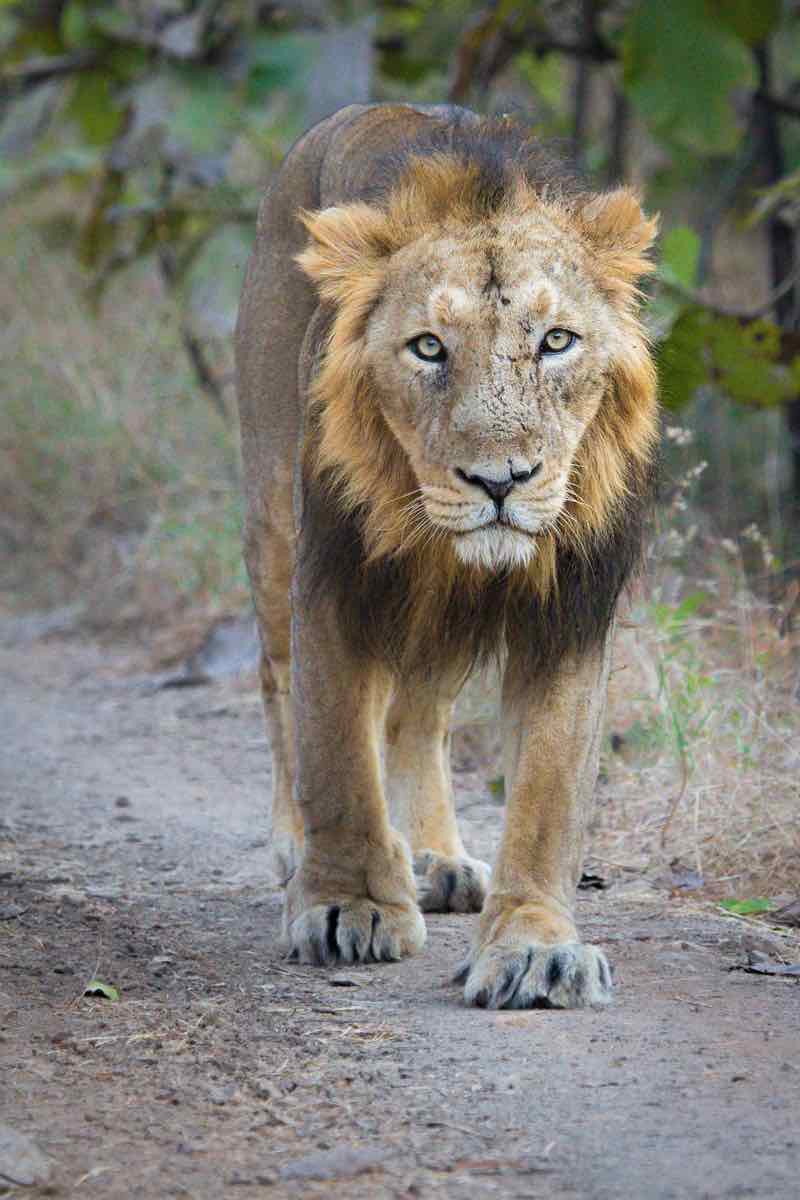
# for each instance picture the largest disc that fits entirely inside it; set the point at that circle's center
(567, 975)
(355, 931)
(447, 884)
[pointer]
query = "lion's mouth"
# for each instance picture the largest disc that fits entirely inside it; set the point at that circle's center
(495, 545)
(516, 524)
(501, 521)
(500, 524)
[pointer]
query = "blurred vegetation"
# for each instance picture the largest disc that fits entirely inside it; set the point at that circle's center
(135, 140)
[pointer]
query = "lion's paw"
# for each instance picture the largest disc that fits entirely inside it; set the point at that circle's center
(566, 975)
(355, 931)
(446, 884)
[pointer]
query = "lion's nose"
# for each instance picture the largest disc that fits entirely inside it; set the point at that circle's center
(498, 484)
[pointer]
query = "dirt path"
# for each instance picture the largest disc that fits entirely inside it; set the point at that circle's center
(133, 848)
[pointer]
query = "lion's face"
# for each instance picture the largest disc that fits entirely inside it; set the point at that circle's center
(489, 356)
(487, 383)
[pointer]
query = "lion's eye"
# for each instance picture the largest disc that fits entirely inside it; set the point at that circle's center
(428, 347)
(556, 341)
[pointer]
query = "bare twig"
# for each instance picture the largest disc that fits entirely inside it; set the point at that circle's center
(205, 376)
(738, 314)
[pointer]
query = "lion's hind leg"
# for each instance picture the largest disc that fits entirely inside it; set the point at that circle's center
(417, 756)
(287, 822)
(269, 562)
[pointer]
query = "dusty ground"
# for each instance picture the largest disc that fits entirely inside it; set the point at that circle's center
(133, 849)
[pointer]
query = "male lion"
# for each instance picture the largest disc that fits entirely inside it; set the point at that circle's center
(448, 424)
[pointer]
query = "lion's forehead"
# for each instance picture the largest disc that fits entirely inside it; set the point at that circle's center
(506, 287)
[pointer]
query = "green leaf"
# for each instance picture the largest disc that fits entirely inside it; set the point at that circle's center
(680, 252)
(680, 69)
(93, 105)
(546, 74)
(744, 358)
(785, 192)
(95, 987)
(682, 360)
(76, 26)
(280, 61)
(115, 22)
(745, 907)
(751, 20)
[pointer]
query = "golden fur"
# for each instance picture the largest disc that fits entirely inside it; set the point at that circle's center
(347, 259)
(371, 524)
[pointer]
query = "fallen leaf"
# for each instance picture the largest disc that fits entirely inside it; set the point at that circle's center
(759, 964)
(349, 979)
(772, 968)
(588, 883)
(106, 991)
(744, 908)
(788, 915)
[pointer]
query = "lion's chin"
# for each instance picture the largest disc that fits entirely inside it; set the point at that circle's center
(495, 548)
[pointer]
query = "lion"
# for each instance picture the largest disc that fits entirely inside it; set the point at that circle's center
(449, 423)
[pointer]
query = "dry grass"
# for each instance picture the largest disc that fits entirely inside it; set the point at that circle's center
(119, 483)
(703, 761)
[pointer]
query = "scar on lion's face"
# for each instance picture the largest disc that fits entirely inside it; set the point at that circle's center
(501, 357)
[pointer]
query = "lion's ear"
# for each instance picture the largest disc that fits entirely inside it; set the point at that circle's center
(619, 232)
(347, 241)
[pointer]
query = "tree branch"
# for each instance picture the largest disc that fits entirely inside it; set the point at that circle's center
(596, 50)
(784, 107)
(38, 70)
(737, 314)
(487, 46)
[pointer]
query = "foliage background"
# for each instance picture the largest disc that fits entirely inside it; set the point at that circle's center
(136, 137)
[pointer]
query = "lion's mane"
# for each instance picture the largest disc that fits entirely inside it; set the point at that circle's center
(414, 606)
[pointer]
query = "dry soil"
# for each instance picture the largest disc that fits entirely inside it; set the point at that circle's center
(133, 850)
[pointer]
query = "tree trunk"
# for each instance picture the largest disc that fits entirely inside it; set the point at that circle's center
(781, 242)
(583, 73)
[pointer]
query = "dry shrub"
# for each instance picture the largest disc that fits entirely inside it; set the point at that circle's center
(703, 758)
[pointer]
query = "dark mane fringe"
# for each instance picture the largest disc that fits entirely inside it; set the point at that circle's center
(501, 149)
(416, 621)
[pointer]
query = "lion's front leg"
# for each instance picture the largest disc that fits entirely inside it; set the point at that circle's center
(353, 896)
(527, 953)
